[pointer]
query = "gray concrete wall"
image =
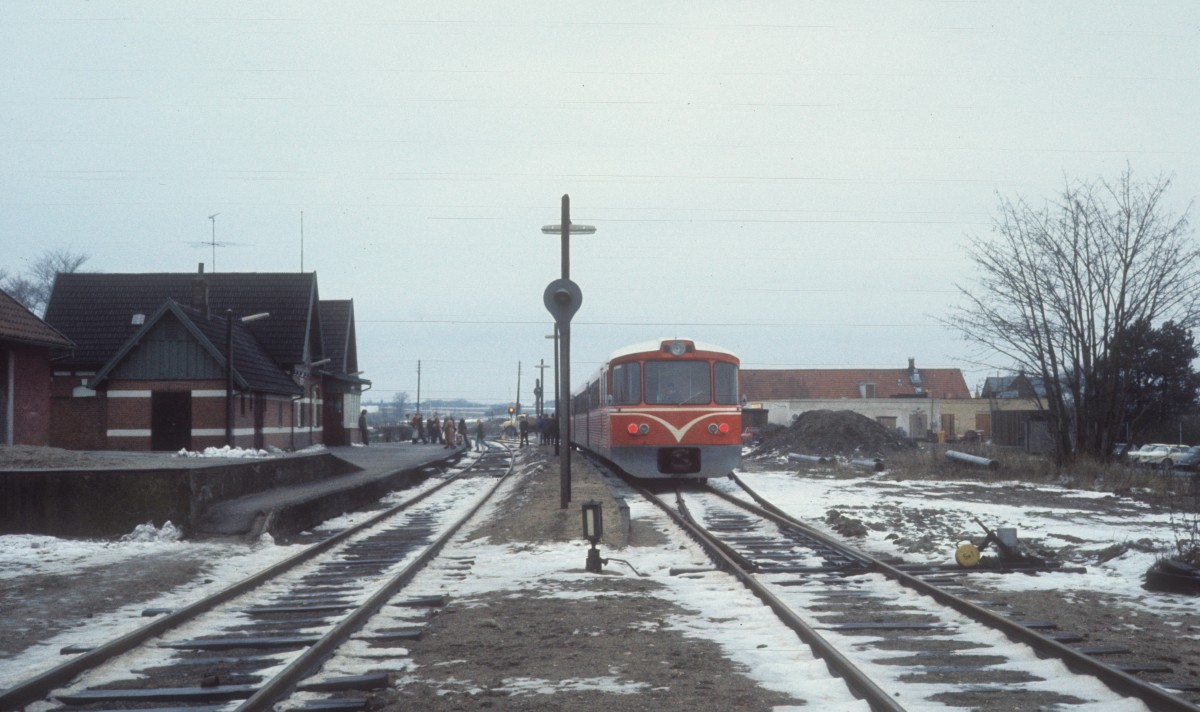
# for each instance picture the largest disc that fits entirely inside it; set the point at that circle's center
(111, 503)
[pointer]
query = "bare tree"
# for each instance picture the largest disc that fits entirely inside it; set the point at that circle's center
(33, 288)
(1060, 288)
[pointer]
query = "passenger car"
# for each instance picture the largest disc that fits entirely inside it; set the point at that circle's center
(1189, 460)
(1157, 455)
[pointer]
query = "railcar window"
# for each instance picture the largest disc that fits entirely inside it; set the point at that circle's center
(626, 384)
(678, 382)
(725, 380)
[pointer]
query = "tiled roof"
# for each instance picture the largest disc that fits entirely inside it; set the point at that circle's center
(251, 363)
(253, 368)
(836, 383)
(96, 310)
(341, 348)
(18, 324)
(1017, 386)
(336, 320)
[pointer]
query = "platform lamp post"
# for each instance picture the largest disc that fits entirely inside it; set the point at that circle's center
(229, 368)
(562, 298)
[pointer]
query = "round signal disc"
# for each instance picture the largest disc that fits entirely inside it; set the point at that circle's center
(967, 556)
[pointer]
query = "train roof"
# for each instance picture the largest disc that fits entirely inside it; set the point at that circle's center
(656, 345)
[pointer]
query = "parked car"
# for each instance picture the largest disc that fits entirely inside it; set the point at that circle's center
(1189, 460)
(1157, 455)
(1136, 454)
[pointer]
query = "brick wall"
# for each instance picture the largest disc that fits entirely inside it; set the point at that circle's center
(31, 395)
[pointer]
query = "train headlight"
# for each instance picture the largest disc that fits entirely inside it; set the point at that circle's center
(677, 348)
(632, 428)
(712, 428)
(718, 428)
(724, 428)
(643, 429)
(638, 429)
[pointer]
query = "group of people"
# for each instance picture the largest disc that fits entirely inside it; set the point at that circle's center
(546, 427)
(445, 431)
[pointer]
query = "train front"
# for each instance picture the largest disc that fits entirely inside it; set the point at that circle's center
(674, 411)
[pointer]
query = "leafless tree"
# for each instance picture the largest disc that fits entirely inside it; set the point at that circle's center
(33, 288)
(1060, 286)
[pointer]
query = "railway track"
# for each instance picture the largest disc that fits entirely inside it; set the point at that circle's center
(904, 639)
(266, 637)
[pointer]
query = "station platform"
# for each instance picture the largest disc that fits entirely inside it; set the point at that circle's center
(108, 494)
(375, 470)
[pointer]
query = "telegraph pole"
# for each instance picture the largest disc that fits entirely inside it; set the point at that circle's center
(540, 390)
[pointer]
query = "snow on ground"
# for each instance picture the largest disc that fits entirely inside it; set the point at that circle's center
(946, 512)
(28, 555)
(920, 510)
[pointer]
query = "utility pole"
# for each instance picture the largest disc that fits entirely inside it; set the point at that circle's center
(517, 405)
(418, 385)
(541, 400)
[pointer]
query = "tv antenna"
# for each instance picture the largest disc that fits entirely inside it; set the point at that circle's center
(213, 241)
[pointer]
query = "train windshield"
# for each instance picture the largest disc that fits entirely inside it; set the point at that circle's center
(626, 379)
(725, 378)
(678, 383)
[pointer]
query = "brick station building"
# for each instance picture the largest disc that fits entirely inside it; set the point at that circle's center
(25, 344)
(170, 361)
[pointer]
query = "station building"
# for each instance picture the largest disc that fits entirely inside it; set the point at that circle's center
(25, 345)
(179, 361)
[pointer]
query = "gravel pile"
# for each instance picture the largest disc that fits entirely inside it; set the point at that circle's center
(829, 433)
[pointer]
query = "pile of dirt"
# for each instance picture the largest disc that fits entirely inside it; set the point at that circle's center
(832, 433)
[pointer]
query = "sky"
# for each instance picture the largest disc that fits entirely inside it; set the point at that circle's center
(794, 181)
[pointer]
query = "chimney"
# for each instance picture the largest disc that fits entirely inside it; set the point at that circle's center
(912, 362)
(200, 292)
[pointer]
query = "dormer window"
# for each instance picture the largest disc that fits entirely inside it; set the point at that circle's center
(866, 390)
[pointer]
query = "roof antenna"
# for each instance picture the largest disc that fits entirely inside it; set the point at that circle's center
(213, 218)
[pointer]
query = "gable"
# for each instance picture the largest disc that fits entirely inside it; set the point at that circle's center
(169, 351)
(181, 344)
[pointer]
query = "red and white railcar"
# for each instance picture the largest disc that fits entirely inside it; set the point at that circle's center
(663, 409)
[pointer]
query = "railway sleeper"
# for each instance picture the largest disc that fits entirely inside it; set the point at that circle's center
(244, 642)
(368, 681)
(218, 693)
(335, 704)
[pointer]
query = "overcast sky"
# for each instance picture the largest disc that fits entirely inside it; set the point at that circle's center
(792, 180)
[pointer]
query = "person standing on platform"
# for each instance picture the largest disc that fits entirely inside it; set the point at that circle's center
(523, 426)
(448, 432)
(462, 430)
(479, 436)
(418, 428)
(362, 427)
